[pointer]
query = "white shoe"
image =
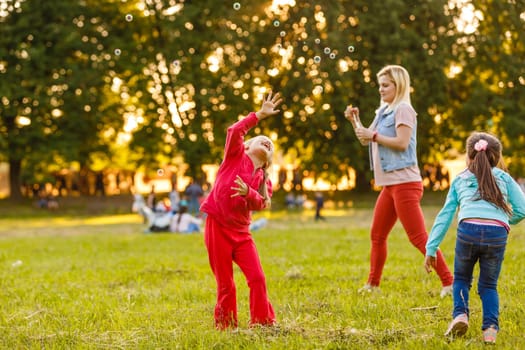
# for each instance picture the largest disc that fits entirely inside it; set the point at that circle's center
(446, 291)
(368, 288)
(458, 326)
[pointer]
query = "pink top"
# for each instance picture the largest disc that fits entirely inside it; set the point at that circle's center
(405, 115)
(234, 213)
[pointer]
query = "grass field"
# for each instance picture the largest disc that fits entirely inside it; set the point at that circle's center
(70, 281)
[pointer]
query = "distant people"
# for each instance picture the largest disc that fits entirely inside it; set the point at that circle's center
(52, 203)
(163, 205)
(242, 186)
(289, 200)
(319, 204)
(300, 199)
(297, 180)
(391, 139)
(151, 201)
(174, 197)
(487, 200)
(194, 192)
(184, 222)
(99, 184)
(258, 224)
(47, 201)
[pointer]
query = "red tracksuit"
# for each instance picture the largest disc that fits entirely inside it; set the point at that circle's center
(227, 235)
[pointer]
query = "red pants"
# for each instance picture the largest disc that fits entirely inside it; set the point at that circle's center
(224, 248)
(400, 201)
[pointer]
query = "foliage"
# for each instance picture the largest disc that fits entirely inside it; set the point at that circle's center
(129, 84)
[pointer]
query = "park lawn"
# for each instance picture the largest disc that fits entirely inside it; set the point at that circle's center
(99, 282)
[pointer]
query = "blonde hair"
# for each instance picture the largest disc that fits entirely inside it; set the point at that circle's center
(401, 79)
(263, 187)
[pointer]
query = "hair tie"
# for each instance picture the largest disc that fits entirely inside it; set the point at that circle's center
(481, 145)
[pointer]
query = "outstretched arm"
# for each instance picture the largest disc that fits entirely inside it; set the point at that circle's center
(268, 108)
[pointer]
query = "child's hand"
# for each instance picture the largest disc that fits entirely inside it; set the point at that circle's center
(430, 262)
(269, 106)
(241, 189)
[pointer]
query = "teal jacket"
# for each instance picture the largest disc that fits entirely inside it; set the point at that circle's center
(463, 194)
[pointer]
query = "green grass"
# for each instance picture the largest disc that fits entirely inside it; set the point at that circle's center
(98, 282)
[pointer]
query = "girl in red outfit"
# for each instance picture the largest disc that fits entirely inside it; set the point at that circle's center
(392, 146)
(241, 186)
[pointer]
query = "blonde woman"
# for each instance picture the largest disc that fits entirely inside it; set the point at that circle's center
(392, 146)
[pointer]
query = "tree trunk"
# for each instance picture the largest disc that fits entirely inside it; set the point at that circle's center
(362, 181)
(15, 191)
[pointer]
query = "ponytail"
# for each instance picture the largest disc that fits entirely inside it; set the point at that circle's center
(484, 153)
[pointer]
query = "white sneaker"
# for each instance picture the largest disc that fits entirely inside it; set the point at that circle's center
(368, 288)
(446, 291)
(458, 326)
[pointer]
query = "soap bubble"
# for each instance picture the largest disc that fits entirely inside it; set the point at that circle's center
(129, 17)
(118, 52)
(236, 6)
(317, 59)
(351, 48)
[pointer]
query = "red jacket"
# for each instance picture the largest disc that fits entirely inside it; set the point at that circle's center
(235, 212)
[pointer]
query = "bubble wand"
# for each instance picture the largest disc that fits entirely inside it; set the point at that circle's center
(356, 119)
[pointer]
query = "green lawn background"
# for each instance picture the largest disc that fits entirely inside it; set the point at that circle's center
(74, 281)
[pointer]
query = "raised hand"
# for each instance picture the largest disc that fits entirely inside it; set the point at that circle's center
(269, 105)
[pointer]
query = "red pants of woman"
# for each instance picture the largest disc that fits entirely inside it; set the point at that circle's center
(400, 201)
(224, 248)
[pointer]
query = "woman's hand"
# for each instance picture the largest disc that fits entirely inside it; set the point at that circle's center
(241, 189)
(364, 135)
(352, 114)
(269, 106)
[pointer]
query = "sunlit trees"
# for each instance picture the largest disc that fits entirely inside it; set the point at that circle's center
(54, 109)
(487, 78)
(146, 84)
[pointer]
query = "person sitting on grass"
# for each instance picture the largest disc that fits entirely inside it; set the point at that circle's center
(184, 222)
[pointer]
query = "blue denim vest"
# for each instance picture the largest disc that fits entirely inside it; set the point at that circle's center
(385, 124)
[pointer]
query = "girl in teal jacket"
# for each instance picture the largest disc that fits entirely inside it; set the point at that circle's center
(489, 200)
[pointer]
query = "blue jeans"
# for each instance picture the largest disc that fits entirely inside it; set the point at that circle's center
(486, 244)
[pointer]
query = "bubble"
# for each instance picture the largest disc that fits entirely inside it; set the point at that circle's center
(129, 17)
(351, 48)
(283, 33)
(317, 41)
(332, 55)
(118, 52)
(175, 63)
(327, 50)
(317, 59)
(236, 6)
(276, 23)
(160, 172)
